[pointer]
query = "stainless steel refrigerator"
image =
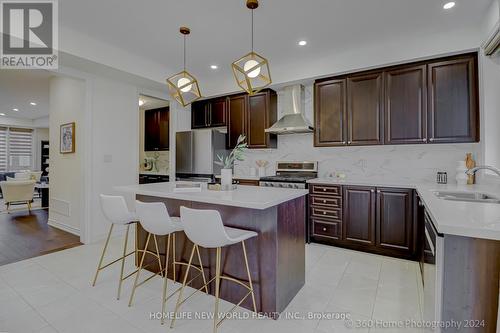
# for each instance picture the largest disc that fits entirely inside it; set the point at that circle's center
(196, 152)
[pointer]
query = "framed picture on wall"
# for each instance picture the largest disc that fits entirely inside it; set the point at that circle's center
(67, 138)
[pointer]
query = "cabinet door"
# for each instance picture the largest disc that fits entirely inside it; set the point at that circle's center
(395, 219)
(365, 109)
(151, 130)
(236, 119)
(199, 114)
(406, 105)
(330, 113)
(359, 215)
(218, 110)
(162, 116)
(453, 106)
(257, 120)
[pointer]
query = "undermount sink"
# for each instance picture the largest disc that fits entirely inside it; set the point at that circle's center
(467, 196)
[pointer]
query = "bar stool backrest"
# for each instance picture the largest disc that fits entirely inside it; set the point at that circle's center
(115, 209)
(204, 227)
(154, 218)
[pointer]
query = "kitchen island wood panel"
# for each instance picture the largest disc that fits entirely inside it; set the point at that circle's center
(276, 256)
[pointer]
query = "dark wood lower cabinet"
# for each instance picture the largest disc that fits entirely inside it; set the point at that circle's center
(359, 215)
(395, 220)
(365, 218)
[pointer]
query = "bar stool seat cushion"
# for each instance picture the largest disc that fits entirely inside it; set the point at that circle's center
(238, 235)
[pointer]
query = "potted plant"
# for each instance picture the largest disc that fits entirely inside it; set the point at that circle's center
(227, 163)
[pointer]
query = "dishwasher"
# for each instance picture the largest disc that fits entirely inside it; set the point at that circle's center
(432, 272)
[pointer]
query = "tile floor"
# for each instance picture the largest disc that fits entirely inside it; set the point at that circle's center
(52, 293)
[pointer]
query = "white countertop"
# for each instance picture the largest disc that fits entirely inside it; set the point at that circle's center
(154, 173)
(241, 177)
(253, 197)
(460, 218)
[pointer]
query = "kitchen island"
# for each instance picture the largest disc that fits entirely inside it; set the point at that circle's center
(276, 256)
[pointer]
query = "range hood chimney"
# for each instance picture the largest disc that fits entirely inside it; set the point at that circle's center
(293, 120)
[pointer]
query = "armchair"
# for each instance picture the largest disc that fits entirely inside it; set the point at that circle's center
(18, 192)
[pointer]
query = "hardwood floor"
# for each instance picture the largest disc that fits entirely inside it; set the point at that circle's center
(24, 235)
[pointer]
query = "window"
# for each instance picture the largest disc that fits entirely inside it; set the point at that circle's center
(16, 145)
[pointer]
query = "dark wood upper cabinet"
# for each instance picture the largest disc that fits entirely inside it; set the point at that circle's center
(209, 113)
(251, 115)
(261, 114)
(236, 119)
(365, 109)
(406, 105)
(434, 101)
(453, 100)
(199, 114)
(218, 112)
(359, 215)
(395, 219)
(330, 113)
(156, 129)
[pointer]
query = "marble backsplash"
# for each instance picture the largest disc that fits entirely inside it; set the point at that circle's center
(402, 163)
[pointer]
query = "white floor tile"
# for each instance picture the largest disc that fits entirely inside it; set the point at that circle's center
(55, 294)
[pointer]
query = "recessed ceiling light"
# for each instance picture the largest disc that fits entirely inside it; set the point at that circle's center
(449, 5)
(2, 114)
(302, 43)
(33, 103)
(141, 102)
(15, 109)
(214, 66)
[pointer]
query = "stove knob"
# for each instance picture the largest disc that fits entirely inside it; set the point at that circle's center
(296, 186)
(280, 185)
(271, 184)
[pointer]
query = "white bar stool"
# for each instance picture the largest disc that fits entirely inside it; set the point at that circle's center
(205, 228)
(115, 210)
(154, 218)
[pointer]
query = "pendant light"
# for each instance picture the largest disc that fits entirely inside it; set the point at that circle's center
(183, 86)
(252, 70)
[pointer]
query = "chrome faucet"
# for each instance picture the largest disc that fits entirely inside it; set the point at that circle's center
(486, 167)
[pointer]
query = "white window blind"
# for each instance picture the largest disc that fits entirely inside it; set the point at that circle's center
(3, 149)
(19, 149)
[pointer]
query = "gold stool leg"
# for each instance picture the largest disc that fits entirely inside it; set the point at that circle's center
(165, 283)
(173, 256)
(139, 270)
(217, 286)
(158, 257)
(249, 277)
(123, 263)
(182, 288)
(202, 270)
(102, 255)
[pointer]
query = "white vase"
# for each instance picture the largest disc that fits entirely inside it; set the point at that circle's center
(262, 171)
(461, 176)
(226, 176)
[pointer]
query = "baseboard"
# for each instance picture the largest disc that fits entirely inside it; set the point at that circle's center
(64, 227)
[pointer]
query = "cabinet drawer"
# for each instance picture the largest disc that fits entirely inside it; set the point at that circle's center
(326, 213)
(330, 190)
(327, 229)
(333, 202)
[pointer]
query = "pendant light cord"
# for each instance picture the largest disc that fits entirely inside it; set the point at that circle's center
(252, 30)
(184, 52)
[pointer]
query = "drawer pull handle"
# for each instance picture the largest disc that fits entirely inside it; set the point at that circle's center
(324, 201)
(324, 229)
(324, 190)
(324, 213)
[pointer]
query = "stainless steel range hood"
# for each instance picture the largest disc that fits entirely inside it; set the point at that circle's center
(293, 120)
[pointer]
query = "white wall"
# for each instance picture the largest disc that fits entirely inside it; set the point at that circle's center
(115, 144)
(67, 104)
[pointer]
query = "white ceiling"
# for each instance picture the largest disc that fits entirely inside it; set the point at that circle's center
(341, 34)
(20, 87)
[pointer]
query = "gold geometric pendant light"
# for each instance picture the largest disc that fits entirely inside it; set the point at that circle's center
(183, 87)
(252, 70)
